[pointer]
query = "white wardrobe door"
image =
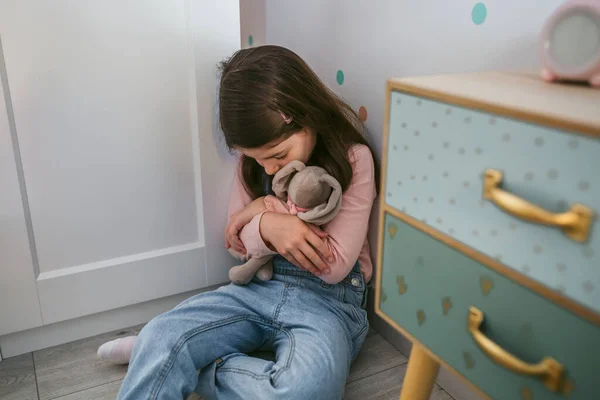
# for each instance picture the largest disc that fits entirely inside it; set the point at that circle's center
(104, 96)
(19, 305)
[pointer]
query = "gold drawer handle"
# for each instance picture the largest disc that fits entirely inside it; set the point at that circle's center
(574, 223)
(549, 370)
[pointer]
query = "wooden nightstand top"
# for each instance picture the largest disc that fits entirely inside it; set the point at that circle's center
(523, 95)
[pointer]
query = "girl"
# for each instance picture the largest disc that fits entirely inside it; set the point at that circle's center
(273, 109)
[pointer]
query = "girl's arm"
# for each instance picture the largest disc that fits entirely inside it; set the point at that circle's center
(247, 214)
(347, 232)
(256, 246)
(238, 220)
(238, 200)
(238, 197)
(241, 211)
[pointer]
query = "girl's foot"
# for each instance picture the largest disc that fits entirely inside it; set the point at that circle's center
(547, 75)
(117, 351)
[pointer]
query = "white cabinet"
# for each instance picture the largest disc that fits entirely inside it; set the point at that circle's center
(19, 305)
(115, 114)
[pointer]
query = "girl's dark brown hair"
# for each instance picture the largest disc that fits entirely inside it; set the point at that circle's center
(260, 83)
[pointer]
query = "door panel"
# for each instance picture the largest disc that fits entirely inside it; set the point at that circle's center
(101, 97)
(19, 305)
(104, 98)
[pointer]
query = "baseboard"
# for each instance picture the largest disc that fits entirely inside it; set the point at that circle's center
(59, 333)
(447, 380)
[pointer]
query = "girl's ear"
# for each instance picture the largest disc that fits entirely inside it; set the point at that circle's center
(325, 212)
(282, 178)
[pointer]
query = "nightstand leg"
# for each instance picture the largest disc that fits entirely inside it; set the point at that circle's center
(420, 376)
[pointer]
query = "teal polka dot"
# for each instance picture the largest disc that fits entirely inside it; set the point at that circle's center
(479, 13)
(340, 77)
(250, 40)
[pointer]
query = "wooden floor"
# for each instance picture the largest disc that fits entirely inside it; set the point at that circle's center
(72, 372)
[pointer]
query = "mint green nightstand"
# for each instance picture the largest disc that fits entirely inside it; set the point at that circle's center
(489, 257)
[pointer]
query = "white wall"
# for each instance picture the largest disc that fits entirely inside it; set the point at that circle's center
(217, 164)
(373, 41)
(252, 22)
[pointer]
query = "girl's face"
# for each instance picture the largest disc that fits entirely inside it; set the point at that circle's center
(275, 155)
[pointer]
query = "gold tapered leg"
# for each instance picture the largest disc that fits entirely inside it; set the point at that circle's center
(420, 376)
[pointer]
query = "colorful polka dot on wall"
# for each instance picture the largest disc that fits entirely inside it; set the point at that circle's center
(250, 40)
(479, 13)
(340, 77)
(362, 113)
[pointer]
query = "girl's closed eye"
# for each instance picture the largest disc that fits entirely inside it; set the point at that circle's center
(281, 157)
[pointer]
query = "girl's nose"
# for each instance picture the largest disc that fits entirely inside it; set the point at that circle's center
(271, 169)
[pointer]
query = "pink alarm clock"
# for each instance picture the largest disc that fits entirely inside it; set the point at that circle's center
(570, 43)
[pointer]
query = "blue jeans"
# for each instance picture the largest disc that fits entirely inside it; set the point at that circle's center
(315, 330)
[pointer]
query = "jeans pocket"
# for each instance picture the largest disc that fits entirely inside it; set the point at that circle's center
(350, 298)
(365, 297)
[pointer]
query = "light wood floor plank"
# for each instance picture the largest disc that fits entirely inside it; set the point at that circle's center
(107, 391)
(375, 356)
(74, 367)
(385, 385)
(17, 378)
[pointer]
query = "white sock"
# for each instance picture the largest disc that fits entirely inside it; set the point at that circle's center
(117, 351)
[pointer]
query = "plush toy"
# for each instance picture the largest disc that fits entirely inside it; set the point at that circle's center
(306, 191)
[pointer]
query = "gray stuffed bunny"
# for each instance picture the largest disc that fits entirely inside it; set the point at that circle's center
(306, 191)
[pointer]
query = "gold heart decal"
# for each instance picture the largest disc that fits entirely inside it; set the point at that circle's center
(568, 387)
(486, 285)
(446, 305)
(526, 393)
(469, 362)
(402, 286)
(392, 229)
(421, 317)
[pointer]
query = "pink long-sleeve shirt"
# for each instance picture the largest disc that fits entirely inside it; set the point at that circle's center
(347, 232)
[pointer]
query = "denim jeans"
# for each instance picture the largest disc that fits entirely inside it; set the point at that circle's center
(315, 330)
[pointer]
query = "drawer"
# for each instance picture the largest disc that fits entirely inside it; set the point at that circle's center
(427, 289)
(437, 156)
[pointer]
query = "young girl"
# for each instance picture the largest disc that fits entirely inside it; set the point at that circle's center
(311, 314)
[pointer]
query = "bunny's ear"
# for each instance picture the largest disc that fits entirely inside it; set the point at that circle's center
(325, 212)
(282, 178)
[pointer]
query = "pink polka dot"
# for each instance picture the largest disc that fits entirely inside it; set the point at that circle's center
(362, 113)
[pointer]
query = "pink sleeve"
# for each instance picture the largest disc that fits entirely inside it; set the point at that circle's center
(238, 197)
(348, 230)
(273, 204)
(250, 234)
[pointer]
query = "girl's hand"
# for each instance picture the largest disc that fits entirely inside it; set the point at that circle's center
(238, 221)
(300, 243)
(232, 231)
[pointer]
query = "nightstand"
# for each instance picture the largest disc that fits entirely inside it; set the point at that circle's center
(489, 241)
